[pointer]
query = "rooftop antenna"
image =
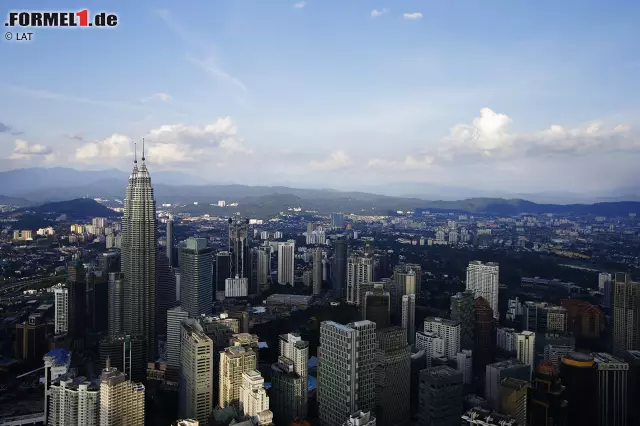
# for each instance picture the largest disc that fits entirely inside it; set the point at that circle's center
(135, 153)
(143, 149)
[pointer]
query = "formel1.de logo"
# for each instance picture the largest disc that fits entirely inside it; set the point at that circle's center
(55, 19)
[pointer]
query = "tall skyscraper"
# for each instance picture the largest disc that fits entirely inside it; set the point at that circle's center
(139, 241)
(484, 334)
(340, 267)
(116, 303)
(482, 279)
(377, 306)
(633, 359)
(626, 314)
(463, 309)
(513, 398)
(286, 253)
(223, 271)
(408, 317)
(393, 371)
(239, 247)
(290, 379)
(196, 381)
(441, 392)
(525, 348)
(346, 370)
(580, 375)
(547, 397)
(263, 267)
(295, 349)
(175, 317)
(196, 270)
(406, 281)
(448, 330)
(61, 309)
(317, 270)
(359, 271)
(170, 240)
(234, 361)
(77, 285)
(337, 221)
(612, 390)
(165, 290)
(496, 373)
(121, 401)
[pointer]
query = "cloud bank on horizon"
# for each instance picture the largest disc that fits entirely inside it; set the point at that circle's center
(320, 93)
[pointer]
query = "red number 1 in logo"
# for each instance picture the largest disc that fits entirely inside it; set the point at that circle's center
(84, 17)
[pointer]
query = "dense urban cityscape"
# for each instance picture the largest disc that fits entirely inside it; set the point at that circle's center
(320, 213)
(151, 315)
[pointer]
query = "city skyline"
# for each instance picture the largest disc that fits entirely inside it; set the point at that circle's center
(460, 89)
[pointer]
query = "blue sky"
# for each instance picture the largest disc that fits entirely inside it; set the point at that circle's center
(500, 94)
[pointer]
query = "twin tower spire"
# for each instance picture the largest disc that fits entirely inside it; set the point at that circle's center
(135, 152)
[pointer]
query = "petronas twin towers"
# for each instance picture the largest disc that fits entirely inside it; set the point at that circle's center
(139, 243)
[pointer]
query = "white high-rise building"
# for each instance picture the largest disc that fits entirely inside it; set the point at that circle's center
(253, 396)
(409, 316)
(286, 255)
(359, 271)
(431, 344)
(236, 287)
(121, 401)
(346, 370)
(482, 279)
(175, 317)
(603, 277)
(525, 348)
(448, 330)
(464, 361)
(197, 372)
(61, 307)
(74, 402)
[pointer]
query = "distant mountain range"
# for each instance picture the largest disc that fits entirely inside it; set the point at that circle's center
(41, 185)
(77, 208)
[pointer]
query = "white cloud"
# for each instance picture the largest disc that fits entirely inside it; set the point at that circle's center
(172, 143)
(337, 160)
(489, 137)
(376, 13)
(414, 16)
(116, 146)
(163, 97)
(25, 150)
(299, 5)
